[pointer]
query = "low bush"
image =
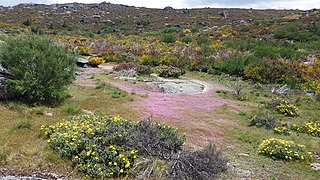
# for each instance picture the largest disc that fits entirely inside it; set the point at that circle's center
(267, 121)
(71, 109)
(40, 69)
(201, 164)
(95, 61)
(315, 27)
(125, 66)
(168, 38)
(84, 51)
(169, 71)
(23, 123)
(108, 146)
(284, 130)
(187, 39)
(236, 65)
(143, 70)
(283, 107)
(148, 60)
(158, 140)
(284, 150)
(311, 128)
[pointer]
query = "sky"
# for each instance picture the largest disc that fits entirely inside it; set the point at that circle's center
(258, 4)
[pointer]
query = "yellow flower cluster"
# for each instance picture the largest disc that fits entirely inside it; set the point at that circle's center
(97, 60)
(287, 109)
(282, 130)
(282, 149)
(83, 139)
(312, 128)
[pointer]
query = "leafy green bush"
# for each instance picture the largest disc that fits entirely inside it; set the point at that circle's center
(40, 69)
(169, 71)
(144, 70)
(282, 149)
(315, 27)
(108, 146)
(149, 60)
(187, 39)
(236, 65)
(202, 41)
(168, 38)
(71, 108)
(265, 51)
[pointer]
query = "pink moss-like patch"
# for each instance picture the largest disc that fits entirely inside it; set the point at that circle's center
(192, 113)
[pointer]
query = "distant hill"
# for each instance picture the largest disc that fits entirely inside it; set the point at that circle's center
(107, 17)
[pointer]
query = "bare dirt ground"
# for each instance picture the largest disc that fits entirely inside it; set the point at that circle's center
(196, 114)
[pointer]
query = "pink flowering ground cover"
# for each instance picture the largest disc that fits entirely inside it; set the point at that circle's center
(196, 114)
(193, 113)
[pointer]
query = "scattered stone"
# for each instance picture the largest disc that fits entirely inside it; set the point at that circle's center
(280, 90)
(243, 154)
(315, 166)
(96, 17)
(108, 21)
(81, 62)
(49, 114)
(224, 14)
(86, 111)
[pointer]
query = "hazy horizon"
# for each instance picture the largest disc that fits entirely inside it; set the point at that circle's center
(256, 4)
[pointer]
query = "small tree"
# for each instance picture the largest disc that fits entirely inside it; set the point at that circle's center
(40, 69)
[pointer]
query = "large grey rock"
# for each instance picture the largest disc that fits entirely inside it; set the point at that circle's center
(81, 62)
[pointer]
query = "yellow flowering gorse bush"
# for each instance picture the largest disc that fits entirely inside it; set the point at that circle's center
(97, 60)
(287, 109)
(312, 128)
(282, 149)
(107, 146)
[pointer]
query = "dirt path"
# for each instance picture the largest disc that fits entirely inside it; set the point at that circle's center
(197, 113)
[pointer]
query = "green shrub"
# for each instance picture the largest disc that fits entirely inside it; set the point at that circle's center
(284, 130)
(71, 109)
(266, 51)
(108, 146)
(187, 39)
(315, 27)
(202, 41)
(168, 38)
(267, 121)
(116, 93)
(40, 69)
(149, 60)
(284, 150)
(169, 71)
(236, 65)
(245, 43)
(144, 70)
(284, 107)
(158, 140)
(311, 128)
(245, 29)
